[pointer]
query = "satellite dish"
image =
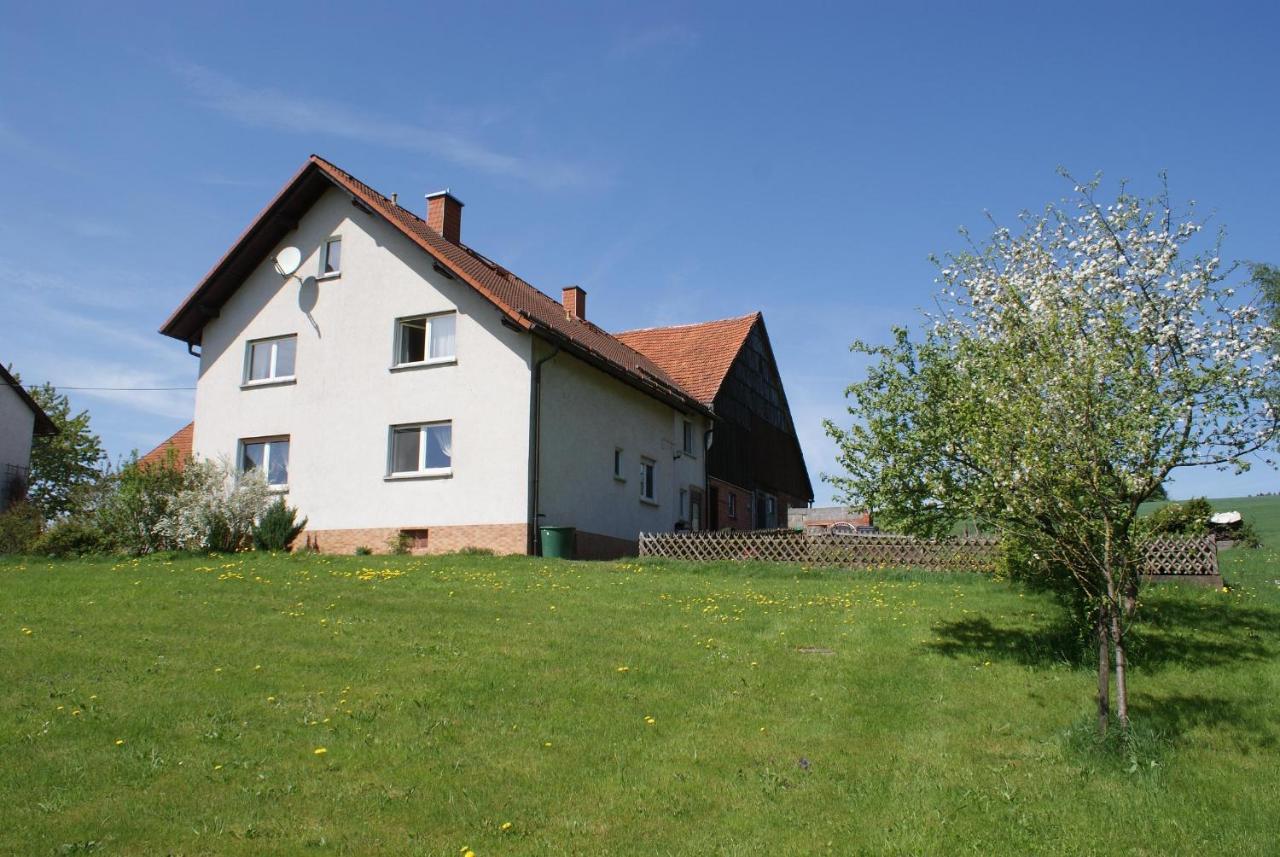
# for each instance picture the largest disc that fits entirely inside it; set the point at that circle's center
(288, 260)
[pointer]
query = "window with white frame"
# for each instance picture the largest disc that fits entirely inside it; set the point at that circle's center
(646, 479)
(331, 257)
(425, 339)
(269, 456)
(688, 438)
(617, 463)
(733, 505)
(270, 359)
(422, 449)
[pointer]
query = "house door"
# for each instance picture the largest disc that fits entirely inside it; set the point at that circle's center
(695, 509)
(713, 508)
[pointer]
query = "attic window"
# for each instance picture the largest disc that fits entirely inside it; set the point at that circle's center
(331, 257)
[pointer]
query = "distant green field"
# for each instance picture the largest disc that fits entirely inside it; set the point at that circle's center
(244, 705)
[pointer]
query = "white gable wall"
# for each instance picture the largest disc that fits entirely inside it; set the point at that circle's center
(338, 412)
(17, 423)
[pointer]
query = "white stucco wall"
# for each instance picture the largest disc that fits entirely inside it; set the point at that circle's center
(338, 412)
(17, 422)
(586, 414)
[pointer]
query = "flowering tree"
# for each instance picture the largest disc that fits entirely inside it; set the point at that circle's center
(216, 507)
(1071, 365)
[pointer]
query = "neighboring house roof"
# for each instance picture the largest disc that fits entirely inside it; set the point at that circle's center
(521, 303)
(697, 356)
(179, 442)
(44, 426)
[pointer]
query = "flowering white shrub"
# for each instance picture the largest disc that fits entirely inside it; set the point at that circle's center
(1070, 367)
(216, 508)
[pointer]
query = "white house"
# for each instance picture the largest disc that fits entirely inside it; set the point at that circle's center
(401, 384)
(21, 420)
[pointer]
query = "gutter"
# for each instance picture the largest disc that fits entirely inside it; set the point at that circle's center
(535, 448)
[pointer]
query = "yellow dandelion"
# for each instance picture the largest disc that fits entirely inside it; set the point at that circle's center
(624, 669)
(546, 744)
(75, 713)
(257, 666)
(506, 825)
(320, 751)
(119, 742)
(217, 767)
(27, 631)
(649, 719)
(271, 699)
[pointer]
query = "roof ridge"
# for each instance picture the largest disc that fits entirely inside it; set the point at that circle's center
(751, 315)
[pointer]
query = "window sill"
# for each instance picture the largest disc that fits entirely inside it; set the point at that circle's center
(269, 382)
(442, 473)
(330, 276)
(277, 489)
(617, 478)
(424, 364)
(646, 501)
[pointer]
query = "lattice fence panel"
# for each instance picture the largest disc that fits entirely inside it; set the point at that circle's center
(1172, 555)
(827, 549)
(1165, 555)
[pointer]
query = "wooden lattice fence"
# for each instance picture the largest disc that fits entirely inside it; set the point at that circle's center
(825, 549)
(1165, 556)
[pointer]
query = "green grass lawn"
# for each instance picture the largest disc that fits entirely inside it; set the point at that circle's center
(396, 705)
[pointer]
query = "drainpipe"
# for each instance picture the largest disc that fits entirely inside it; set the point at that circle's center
(535, 441)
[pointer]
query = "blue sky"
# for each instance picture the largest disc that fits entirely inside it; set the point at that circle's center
(679, 161)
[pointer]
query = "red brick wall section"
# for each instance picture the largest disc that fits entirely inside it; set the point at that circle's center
(499, 538)
(596, 546)
(745, 519)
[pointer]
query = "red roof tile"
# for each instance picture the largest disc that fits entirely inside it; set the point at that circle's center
(697, 356)
(179, 442)
(523, 304)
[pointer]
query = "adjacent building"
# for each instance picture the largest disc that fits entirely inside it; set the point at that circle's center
(755, 467)
(21, 421)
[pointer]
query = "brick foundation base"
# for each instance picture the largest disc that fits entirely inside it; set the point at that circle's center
(596, 546)
(499, 538)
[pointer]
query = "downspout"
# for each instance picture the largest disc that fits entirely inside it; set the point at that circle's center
(535, 442)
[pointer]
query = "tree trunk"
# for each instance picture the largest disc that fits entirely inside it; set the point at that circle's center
(1104, 672)
(1122, 687)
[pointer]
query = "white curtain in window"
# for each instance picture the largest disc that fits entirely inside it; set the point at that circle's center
(439, 446)
(442, 335)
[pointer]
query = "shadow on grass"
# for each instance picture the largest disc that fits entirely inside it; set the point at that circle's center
(1195, 634)
(1174, 715)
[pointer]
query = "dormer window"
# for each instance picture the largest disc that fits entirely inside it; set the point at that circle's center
(331, 257)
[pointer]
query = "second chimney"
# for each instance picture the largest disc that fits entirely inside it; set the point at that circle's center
(574, 299)
(444, 215)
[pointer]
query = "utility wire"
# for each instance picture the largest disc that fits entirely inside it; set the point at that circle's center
(120, 389)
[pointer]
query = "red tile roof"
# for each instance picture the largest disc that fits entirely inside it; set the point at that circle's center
(697, 356)
(523, 304)
(179, 442)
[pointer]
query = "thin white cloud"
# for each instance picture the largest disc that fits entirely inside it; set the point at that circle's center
(263, 107)
(665, 38)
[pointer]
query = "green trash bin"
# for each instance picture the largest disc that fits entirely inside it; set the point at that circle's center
(559, 542)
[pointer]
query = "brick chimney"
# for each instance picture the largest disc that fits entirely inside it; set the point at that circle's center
(444, 215)
(574, 299)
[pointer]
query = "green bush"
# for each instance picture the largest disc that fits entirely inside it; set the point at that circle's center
(401, 544)
(20, 526)
(73, 537)
(1186, 518)
(364, 551)
(276, 530)
(137, 502)
(472, 550)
